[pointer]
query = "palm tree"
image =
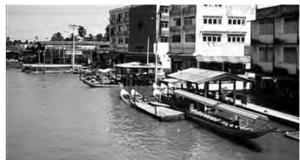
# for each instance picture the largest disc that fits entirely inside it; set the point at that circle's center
(81, 31)
(99, 37)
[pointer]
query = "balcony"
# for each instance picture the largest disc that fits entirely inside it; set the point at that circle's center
(191, 9)
(176, 29)
(126, 33)
(119, 33)
(189, 28)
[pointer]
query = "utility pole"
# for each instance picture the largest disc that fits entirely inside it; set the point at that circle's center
(148, 51)
(73, 26)
(157, 38)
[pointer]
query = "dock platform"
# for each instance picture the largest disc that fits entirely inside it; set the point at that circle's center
(162, 113)
(268, 112)
(293, 135)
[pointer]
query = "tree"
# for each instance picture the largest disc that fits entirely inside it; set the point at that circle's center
(26, 42)
(91, 37)
(57, 37)
(107, 33)
(81, 32)
(71, 38)
(99, 37)
(8, 41)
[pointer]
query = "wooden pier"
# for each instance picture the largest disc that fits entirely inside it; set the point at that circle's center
(268, 112)
(161, 113)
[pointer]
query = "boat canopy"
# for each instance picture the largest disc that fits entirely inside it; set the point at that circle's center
(105, 70)
(137, 65)
(221, 106)
(196, 75)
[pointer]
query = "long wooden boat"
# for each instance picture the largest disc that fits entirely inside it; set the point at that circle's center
(137, 96)
(101, 85)
(292, 135)
(224, 127)
(126, 97)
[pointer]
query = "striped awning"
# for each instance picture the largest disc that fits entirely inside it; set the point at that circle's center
(230, 59)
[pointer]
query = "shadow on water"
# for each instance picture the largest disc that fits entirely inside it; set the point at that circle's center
(249, 144)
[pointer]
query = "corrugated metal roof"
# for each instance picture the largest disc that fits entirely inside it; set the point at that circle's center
(196, 75)
(231, 59)
(137, 65)
(71, 43)
(222, 106)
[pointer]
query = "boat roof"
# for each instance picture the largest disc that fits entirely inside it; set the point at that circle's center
(196, 75)
(137, 65)
(222, 106)
(170, 80)
(105, 70)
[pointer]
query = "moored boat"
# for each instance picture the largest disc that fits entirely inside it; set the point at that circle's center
(221, 124)
(126, 97)
(293, 135)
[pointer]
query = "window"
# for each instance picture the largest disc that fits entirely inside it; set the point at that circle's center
(120, 40)
(265, 54)
(128, 27)
(189, 20)
(265, 27)
(234, 21)
(236, 38)
(164, 9)
(190, 37)
(290, 55)
(126, 15)
(164, 39)
(209, 39)
(176, 38)
(290, 25)
(126, 40)
(205, 5)
(214, 39)
(243, 39)
(220, 5)
(164, 24)
(243, 21)
(215, 21)
(120, 16)
(119, 28)
(177, 21)
(233, 39)
(212, 20)
(113, 40)
(113, 17)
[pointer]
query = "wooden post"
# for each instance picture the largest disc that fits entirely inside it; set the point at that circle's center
(205, 93)
(155, 110)
(197, 87)
(234, 88)
(223, 66)
(220, 87)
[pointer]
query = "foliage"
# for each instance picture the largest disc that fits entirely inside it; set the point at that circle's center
(57, 37)
(81, 32)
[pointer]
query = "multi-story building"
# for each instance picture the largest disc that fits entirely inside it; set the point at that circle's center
(209, 36)
(119, 28)
(275, 38)
(138, 25)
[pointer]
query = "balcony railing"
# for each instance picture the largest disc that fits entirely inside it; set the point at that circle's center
(175, 29)
(189, 28)
(191, 9)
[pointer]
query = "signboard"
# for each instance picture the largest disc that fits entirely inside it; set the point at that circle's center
(248, 65)
(76, 52)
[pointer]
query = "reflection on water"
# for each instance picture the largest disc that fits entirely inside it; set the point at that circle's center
(58, 117)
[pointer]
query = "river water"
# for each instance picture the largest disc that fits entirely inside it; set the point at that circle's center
(57, 117)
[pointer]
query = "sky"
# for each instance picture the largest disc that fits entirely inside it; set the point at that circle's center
(24, 22)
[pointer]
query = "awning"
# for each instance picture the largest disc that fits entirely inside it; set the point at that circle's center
(222, 106)
(196, 75)
(230, 59)
(111, 56)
